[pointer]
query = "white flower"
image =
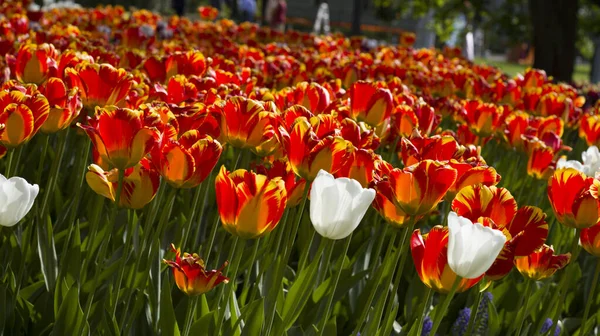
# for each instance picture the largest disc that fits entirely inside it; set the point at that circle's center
(16, 199)
(590, 159)
(337, 205)
(472, 248)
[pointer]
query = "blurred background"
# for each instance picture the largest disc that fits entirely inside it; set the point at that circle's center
(560, 36)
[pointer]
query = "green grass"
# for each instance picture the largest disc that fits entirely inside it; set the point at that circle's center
(581, 74)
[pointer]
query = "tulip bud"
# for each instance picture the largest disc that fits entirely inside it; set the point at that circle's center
(472, 248)
(337, 205)
(16, 197)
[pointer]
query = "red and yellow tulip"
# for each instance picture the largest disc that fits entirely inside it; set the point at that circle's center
(191, 275)
(23, 111)
(120, 136)
(250, 204)
(572, 198)
(140, 184)
(542, 263)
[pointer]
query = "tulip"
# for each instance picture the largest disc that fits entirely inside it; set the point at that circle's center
(120, 136)
(483, 119)
(100, 84)
(186, 162)
(573, 199)
(294, 186)
(590, 129)
(17, 197)
(35, 63)
(471, 173)
(419, 188)
(337, 205)
(140, 184)
(472, 248)
(589, 165)
(308, 153)
(370, 103)
(65, 105)
(430, 255)
(190, 273)
(250, 204)
(590, 240)
(542, 263)
(22, 114)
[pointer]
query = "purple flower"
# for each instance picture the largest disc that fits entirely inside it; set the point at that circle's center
(427, 326)
(459, 328)
(547, 325)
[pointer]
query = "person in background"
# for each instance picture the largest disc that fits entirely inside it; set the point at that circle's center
(179, 7)
(279, 16)
(322, 20)
(247, 10)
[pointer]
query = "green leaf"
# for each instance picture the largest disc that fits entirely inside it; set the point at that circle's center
(167, 319)
(298, 294)
(47, 253)
(69, 320)
(254, 319)
(205, 325)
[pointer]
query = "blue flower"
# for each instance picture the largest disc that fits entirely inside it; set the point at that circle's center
(427, 326)
(481, 320)
(547, 325)
(459, 328)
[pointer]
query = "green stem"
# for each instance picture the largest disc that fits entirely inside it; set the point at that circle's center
(337, 280)
(444, 307)
(104, 247)
(287, 248)
(424, 311)
(306, 253)
(474, 312)
(124, 258)
(14, 158)
(189, 317)
(524, 307)
(366, 308)
(199, 194)
(590, 297)
(53, 176)
(562, 292)
(252, 260)
(237, 251)
(401, 255)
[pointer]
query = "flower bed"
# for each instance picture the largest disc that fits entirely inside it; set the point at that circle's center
(341, 189)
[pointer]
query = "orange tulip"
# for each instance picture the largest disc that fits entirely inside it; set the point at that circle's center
(312, 96)
(540, 163)
(477, 201)
(572, 199)
(245, 123)
(407, 39)
(404, 120)
(120, 137)
(417, 148)
(469, 173)
(483, 119)
(542, 263)
(23, 111)
(430, 256)
(590, 240)
(384, 204)
(419, 188)
(186, 162)
(65, 105)
(590, 129)
(190, 273)
(370, 103)
(35, 63)
(250, 204)
(308, 153)
(100, 84)
(140, 184)
(362, 166)
(294, 186)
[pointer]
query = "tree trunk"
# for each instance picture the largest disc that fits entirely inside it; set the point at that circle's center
(595, 71)
(356, 14)
(554, 34)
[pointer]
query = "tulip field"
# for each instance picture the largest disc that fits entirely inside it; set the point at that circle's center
(174, 176)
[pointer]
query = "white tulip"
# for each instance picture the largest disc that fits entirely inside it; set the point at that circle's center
(337, 205)
(472, 248)
(16, 199)
(589, 165)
